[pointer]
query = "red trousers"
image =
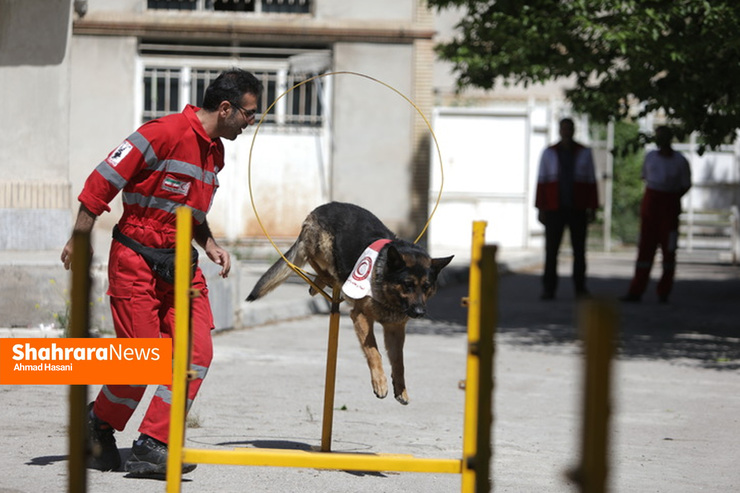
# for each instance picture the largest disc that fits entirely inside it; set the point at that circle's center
(142, 305)
(658, 228)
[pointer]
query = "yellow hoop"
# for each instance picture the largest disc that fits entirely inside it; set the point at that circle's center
(295, 268)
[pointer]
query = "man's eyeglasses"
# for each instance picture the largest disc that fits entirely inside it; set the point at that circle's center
(248, 114)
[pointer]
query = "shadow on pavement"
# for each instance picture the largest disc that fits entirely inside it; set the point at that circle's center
(269, 444)
(46, 460)
(699, 326)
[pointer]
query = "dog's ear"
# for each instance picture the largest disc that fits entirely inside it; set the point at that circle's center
(394, 261)
(440, 263)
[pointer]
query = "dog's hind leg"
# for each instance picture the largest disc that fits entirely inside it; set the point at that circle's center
(395, 335)
(364, 330)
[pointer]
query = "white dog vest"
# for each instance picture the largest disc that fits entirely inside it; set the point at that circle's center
(359, 283)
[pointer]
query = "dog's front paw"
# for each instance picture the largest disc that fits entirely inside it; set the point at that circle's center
(403, 397)
(380, 387)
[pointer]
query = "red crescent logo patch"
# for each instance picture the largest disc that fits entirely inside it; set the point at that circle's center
(363, 270)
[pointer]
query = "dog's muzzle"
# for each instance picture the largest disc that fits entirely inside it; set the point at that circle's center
(416, 311)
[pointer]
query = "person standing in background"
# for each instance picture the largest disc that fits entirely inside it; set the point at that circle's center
(667, 177)
(566, 196)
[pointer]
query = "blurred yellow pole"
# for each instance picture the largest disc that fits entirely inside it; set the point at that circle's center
(182, 348)
(331, 372)
(472, 389)
(78, 328)
(598, 320)
(486, 347)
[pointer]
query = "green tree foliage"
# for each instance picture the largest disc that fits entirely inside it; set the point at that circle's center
(628, 186)
(682, 56)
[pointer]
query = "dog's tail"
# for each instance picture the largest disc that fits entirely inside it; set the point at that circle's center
(279, 271)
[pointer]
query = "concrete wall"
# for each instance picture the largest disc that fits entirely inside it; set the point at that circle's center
(34, 142)
(366, 11)
(34, 158)
(372, 130)
(34, 32)
(117, 5)
(102, 85)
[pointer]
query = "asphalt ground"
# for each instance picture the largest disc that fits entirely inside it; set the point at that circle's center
(675, 395)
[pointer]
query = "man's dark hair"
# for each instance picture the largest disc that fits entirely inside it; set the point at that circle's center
(230, 86)
(665, 131)
(567, 121)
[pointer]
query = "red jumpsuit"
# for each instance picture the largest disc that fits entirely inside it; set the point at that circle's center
(667, 178)
(167, 163)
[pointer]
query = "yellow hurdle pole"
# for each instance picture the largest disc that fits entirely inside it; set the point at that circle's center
(183, 242)
(597, 324)
(78, 328)
(331, 371)
(319, 460)
(486, 349)
(472, 389)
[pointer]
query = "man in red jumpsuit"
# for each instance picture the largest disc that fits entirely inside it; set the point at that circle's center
(667, 177)
(167, 163)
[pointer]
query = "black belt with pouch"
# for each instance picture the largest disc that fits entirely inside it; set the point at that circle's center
(160, 260)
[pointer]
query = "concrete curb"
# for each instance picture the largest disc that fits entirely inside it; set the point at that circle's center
(17, 333)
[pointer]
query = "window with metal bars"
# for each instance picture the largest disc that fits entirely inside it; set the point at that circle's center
(167, 90)
(257, 6)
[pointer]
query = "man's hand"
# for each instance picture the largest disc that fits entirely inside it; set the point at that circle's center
(84, 223)
(204, 238)
(67, 254)
(219, 256)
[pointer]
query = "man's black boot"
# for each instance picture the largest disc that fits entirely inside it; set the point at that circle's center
(149, 458)
(104, 455)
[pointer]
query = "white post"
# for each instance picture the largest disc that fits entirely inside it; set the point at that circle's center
(608, 186)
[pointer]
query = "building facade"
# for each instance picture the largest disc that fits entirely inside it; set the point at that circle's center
(337, 137)
(82, 75)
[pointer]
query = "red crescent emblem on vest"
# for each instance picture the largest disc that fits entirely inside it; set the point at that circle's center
(363, 270)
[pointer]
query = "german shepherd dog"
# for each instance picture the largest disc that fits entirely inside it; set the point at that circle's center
(401, 280)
